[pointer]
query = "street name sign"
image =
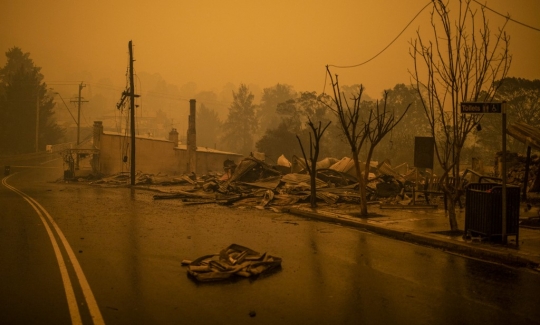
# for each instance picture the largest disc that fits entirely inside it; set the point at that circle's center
(483, 108)
(480, 108)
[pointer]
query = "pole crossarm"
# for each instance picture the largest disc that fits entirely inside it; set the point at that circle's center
(125, 94)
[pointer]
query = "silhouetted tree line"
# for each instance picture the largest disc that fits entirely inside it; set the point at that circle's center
(269, 125)
(289, 111)
(27, 121)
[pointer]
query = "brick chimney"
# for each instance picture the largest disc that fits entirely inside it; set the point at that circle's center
(192, 138)
(97, 132)
(173, 137)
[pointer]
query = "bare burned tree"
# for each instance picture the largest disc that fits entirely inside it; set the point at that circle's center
(459, 62)
(379, 124)
(311, 164)
(354, 130)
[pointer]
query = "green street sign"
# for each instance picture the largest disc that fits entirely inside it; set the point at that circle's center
(480, 108)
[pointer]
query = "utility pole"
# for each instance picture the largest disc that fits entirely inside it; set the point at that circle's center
(132, 112)
(131, 93)
(79, 101)
(81, 86)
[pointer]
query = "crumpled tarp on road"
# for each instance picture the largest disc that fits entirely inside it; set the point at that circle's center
(234, 260)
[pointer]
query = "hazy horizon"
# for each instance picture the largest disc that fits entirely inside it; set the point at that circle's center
(203, 46)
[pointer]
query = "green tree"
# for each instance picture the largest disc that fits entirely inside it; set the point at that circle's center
(270, 100)
(208, 126)
(27, 121)
(397, 145)
(380, 122)
(522, 97)
(295, 115)
(349, 91)
(241, 123)
(211, 100)
(158, 93)
(162, 119)
(296, 112)
(316, 108)
(279, 141)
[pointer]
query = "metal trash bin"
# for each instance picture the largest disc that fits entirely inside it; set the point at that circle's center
(483, 210)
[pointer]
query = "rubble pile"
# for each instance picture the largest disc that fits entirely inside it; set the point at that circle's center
(255, 183)
(516, 166)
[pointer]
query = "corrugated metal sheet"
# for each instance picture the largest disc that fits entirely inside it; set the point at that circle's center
(525, 133)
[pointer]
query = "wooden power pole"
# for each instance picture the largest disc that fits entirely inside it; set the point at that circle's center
(81, 85)
(132, 112)
(131, 93)
(79, 101)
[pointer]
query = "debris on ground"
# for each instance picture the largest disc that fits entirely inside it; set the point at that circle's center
(234, 260)
(516, 166)
(253, 182)
(531, 222)
(147, 179)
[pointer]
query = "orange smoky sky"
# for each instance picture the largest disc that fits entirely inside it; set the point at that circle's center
(212, 43)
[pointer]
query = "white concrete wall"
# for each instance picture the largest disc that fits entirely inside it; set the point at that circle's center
(155, 156)
(151, 156)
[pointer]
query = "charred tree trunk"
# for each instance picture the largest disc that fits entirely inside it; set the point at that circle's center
(311, 164)
(361, 185)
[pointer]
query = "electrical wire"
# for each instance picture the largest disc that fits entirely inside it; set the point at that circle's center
(139, 99)
(126, 144)
(123, 142)
(116, 121)
(384, 49)
(407, 26)
(507, 17)
(325, 78)
(85, 120)
(105, 86)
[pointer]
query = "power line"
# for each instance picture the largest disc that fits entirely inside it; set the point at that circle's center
(61, 83)
(105, 86)
(507, 17)
(392, 42)
(384, 49)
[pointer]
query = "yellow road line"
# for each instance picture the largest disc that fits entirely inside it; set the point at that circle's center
(87, 291)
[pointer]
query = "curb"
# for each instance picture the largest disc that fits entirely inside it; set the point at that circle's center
(420, 238)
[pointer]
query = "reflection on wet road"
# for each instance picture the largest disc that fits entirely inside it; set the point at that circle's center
(61, 247)
(130, 248)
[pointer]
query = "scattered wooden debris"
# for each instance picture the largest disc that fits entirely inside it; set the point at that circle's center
(255, 183)
(234, 260)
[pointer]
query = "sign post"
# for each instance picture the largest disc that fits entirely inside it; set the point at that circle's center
(486, 108)
(480, 108)
(504, 203)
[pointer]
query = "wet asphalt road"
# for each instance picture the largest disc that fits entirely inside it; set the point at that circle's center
(129, 248)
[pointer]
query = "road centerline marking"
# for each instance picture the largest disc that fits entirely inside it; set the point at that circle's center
(87, 291)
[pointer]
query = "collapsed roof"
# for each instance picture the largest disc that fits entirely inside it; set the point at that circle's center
(525, 133)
